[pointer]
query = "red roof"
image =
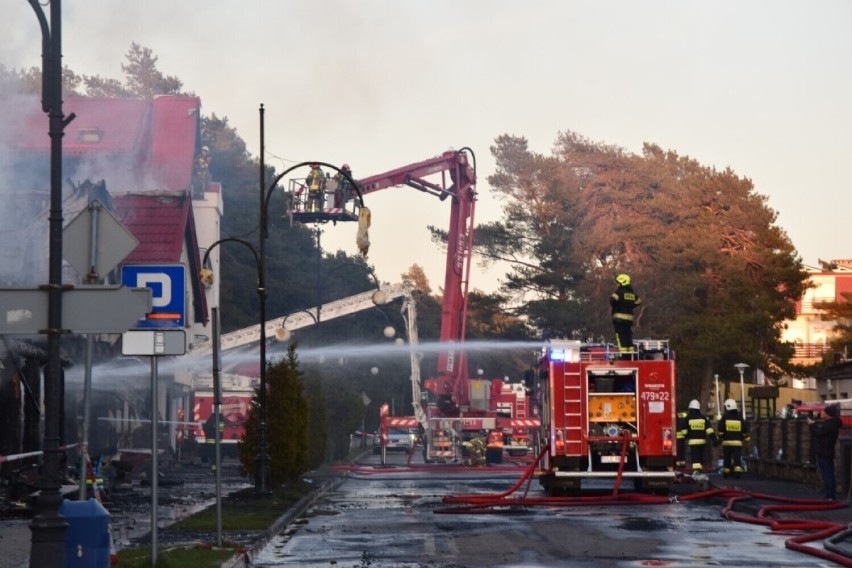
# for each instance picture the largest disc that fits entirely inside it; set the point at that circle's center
(158, 221)
(164, 225)
(155, 140)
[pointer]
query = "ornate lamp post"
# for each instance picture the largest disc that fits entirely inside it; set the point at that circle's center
(48, 525)
(261, 473)
(741, 367)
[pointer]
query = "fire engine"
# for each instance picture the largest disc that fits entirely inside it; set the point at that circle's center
(449, 403)
(607, 415)
(238, 387)
(236, 403)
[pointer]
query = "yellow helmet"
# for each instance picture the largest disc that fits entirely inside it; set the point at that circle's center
(623, 279)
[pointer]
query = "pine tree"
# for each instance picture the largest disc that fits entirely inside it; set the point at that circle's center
(287, 423)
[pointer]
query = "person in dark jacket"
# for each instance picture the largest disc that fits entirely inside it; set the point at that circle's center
(623, 301)
(824, 435)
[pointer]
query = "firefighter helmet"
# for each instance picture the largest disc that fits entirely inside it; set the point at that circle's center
(623, 279)
(694, 405)
(730, 404)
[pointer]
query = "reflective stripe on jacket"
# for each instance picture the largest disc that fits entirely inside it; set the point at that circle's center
(732, 429)
(623, 301)
(699, 430)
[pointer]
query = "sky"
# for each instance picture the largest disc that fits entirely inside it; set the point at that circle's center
(763, 87)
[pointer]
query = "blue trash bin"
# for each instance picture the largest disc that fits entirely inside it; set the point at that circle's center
(87, 542)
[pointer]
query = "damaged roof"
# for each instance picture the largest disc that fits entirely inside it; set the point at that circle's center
(155, 141)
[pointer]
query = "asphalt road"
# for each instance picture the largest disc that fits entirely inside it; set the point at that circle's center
(395, 517)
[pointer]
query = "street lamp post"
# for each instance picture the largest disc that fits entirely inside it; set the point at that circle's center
(261, 474)
(741, 367)
(48, 526)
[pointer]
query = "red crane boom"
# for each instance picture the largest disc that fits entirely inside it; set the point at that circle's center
(455, 181)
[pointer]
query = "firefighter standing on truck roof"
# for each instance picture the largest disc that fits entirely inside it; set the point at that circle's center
(732, 431)
(623, 301)
(698, 432)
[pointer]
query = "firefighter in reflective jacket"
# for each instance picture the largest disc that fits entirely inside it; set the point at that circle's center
(680, 435)
(698, 432)
(623, 301)
(732, 431)
(316, 186)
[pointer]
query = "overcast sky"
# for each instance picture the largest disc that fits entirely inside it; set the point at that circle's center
(764, 87)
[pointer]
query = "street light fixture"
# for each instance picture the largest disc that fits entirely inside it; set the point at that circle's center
(283, 333)
(389, 330)
(741, 367)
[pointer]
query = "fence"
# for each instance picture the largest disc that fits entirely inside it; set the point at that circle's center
(781, 448)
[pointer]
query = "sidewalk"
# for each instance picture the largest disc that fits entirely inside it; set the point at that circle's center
(15, 545)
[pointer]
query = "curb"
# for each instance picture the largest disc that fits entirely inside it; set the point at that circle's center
(244, 559)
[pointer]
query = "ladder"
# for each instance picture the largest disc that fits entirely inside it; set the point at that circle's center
(573, 410)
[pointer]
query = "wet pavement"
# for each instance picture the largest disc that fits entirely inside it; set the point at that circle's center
(386, 517)
(313, 538)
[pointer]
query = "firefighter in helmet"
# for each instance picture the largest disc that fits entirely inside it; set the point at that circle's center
(316, 185)
(732, 432)
(343, 188)
(699, 430)
(201, 173)
(623, 301)
(210, 438)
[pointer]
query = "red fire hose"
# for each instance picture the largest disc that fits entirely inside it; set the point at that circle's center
(813, 530)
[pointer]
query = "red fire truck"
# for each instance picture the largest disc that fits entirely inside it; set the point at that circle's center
(236, 403)
(607, 415)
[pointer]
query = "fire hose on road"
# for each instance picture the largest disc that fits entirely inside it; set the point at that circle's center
(809, 530)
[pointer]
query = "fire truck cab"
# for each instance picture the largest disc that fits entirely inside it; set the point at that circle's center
(607, 415)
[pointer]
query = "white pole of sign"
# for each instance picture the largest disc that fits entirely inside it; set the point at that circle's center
(154, 468)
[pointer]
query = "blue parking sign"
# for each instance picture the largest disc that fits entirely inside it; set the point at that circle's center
(168, 296)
